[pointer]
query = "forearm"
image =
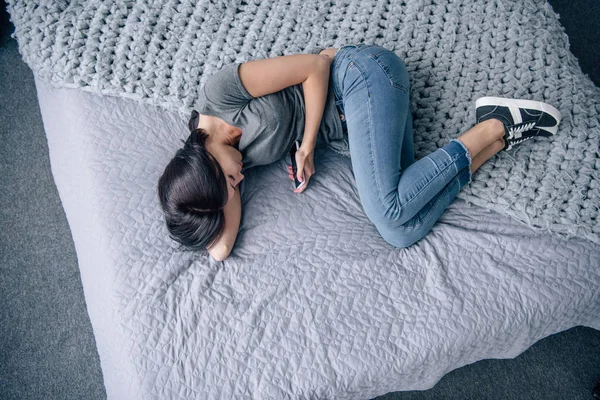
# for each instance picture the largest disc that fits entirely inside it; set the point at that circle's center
(315, 94)
(233, 212)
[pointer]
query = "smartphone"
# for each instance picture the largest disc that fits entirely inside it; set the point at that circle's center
(293, 150)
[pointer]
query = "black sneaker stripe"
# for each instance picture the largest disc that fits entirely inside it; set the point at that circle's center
(532, 113)
(485, 111)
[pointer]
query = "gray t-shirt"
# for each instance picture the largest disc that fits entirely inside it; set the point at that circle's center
(270, 123)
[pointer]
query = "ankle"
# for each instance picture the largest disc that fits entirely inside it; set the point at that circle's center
(496, 127)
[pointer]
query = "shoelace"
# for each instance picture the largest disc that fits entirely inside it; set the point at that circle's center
(515, 133)
(512, 142)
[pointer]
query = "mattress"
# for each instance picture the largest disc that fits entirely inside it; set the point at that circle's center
(312, 302)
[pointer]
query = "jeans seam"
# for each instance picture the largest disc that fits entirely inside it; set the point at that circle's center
(457, 177)
(452, 158)
(393, 83)
(373, 158)
(348, 54)
(423, 188)
(357, 50)
(467, 154)
(440, 196)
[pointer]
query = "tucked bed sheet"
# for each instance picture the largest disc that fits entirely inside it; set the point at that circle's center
(312, 302)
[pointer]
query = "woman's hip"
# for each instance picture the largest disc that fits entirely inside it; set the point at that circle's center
(377, 66)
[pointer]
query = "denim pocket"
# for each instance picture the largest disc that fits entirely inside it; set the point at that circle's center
(394, 69)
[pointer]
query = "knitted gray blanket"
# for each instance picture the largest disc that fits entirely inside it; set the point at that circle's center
(161, 52)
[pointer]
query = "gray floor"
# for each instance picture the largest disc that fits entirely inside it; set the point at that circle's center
(47, 348)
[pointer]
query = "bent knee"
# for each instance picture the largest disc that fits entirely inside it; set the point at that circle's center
(402, 241)
(401, 236)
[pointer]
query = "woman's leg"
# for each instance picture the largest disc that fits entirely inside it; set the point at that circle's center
(422, 223)
(486, 154)
(482, 136)
(403, 202)
(407, 154)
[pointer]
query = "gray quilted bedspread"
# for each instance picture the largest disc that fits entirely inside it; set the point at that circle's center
(312, 303)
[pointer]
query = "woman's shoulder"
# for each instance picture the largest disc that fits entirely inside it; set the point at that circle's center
(224, 90)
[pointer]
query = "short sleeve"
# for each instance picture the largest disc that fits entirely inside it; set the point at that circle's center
(225, 89)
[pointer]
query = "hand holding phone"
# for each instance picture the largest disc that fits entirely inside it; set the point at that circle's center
(293, 150)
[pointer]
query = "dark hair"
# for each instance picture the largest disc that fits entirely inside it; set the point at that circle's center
(192, 192)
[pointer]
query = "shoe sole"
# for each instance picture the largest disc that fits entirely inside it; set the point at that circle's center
(529, 104)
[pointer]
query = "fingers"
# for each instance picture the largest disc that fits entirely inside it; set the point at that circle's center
(291, 173)
(300, 167)
(303, 184)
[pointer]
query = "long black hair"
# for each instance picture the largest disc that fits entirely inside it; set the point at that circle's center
(192, 192)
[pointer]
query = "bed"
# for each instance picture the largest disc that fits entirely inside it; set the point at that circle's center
(312, 302)
(320, 308)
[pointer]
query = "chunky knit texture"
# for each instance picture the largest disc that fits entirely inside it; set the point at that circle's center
(161, 52)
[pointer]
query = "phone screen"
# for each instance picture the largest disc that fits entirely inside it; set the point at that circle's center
(295, 147)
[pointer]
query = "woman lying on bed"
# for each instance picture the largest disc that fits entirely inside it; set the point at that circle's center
(250, 114)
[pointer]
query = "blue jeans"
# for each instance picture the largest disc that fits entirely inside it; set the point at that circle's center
(402, 197)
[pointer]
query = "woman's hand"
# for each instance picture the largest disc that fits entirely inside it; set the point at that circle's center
(305, 164)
